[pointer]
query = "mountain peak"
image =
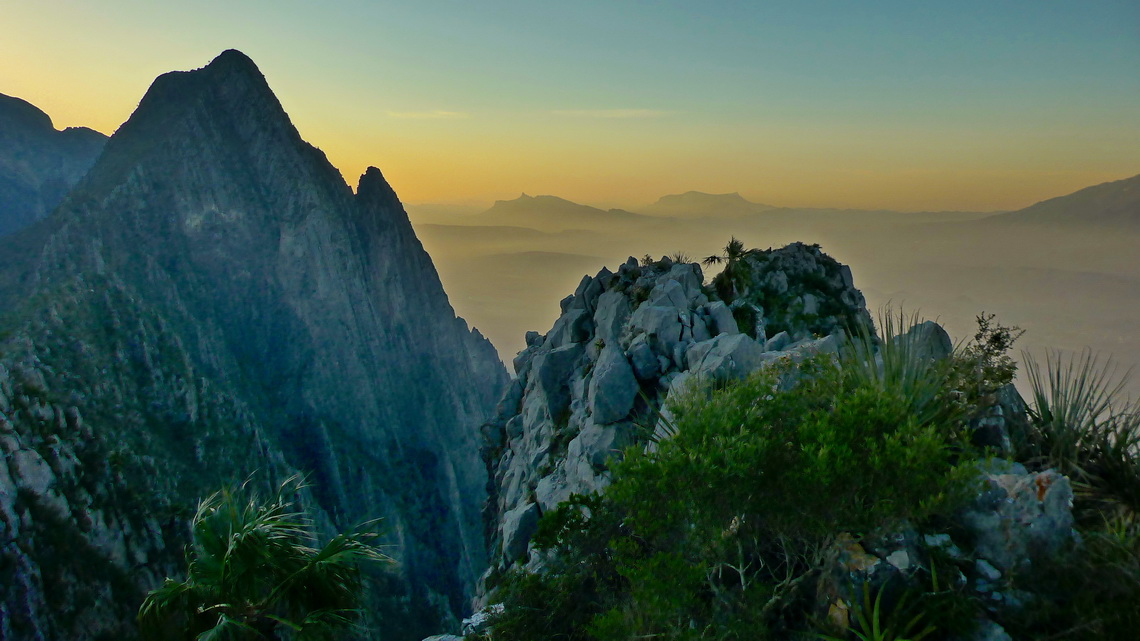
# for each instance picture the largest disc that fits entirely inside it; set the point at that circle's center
(23, 113)
(702, 204)
(232, 58)
(374, 188)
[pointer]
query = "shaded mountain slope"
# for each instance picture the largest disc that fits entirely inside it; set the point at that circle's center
(38, 164)
(314, 308)
(1111, 204)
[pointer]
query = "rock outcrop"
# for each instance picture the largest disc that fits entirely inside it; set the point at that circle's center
(214, 301)
(38, 164)
(596, 381)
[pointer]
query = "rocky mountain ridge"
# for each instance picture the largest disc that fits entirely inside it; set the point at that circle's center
(597, 382)
(214, 301)
(624, 342)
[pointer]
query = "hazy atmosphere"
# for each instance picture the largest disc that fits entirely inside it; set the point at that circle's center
(874, 105)
(564, 321)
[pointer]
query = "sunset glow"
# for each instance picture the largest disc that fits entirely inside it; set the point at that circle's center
(966, 106)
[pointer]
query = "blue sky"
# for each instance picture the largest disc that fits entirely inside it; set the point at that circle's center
(896, 104)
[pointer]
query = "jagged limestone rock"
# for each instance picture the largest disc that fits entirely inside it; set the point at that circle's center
(519, 525)
(613, 387)
(722, 320)
(1020, 516)
(726, 357)
(654, 331)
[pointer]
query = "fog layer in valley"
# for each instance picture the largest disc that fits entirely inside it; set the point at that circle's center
(1070, 278)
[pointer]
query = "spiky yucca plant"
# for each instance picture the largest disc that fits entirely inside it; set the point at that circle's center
(897, 360)
(1080, 425)
(254, 570)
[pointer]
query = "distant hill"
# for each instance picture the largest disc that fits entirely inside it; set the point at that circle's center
(1111, 204)
(38, 164)
(551, 213)
(696, 204)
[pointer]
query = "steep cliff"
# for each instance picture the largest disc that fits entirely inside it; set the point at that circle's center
(38, 164)
(213, 264)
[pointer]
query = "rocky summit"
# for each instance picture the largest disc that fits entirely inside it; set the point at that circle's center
(211, 303)
(623, 343)
(598, 381)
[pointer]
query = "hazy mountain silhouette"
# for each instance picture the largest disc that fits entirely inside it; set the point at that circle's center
(38, 164)
(696, 204)
(1111, 204)
(551, 213)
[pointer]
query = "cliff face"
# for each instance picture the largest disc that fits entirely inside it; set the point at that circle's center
(38, 164)
(270, 288)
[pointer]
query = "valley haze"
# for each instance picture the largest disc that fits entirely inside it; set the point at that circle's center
(448, 266)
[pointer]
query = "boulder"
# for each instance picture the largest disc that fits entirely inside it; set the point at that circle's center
(552, 376)
(811, 305)
(725, 357)
(611, 316)
(596, 444)
(613, 388)
(689, 277)
(778, 342)
(661, 324)
(721, 319)
(668, 293)
(519, 525)
(645, 364)
(927, 340)
(574, 326)
(552, 490)
(1019, 517)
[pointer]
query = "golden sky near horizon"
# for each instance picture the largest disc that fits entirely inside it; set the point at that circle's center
(882, 105)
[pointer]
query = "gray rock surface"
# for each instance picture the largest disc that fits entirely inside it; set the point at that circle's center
(654, 329)
(1020, 516)
(519, 525)
(613, 387)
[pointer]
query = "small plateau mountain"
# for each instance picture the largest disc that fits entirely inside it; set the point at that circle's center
(696, 204)
(38, 164)
(212, 303)
(1111, 204)
(551, 213)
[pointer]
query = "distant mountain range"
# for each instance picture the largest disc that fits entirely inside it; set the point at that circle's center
(696, 204)
(1111, 204)
(551, 213)
(38, 164)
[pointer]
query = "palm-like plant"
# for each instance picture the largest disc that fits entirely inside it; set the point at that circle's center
(733, 276)
(254, 570)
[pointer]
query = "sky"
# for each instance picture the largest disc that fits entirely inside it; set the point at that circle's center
(878, 104)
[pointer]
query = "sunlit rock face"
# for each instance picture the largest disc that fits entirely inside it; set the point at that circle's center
(213, 300)
(38, 164)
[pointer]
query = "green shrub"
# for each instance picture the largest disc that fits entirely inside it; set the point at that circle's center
(720, 531)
